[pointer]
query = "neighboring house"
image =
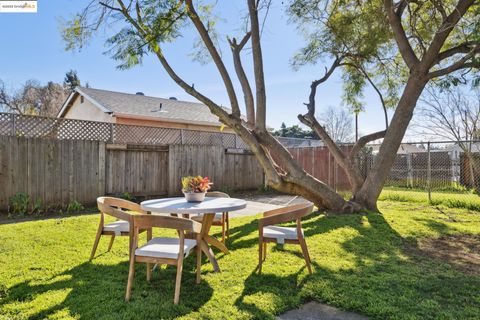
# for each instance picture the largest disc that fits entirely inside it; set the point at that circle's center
(300, 142)
(403, 149)
(138, 109)
(455, 152)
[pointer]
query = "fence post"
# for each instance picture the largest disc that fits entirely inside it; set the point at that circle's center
(429, 174)
(111, 132)
(409, 170)
(14, 125)
(335, 174)
(182, 137)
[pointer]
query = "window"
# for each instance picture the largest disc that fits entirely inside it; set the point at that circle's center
(81, 99)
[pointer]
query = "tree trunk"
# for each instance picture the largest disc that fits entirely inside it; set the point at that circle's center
(368, 194)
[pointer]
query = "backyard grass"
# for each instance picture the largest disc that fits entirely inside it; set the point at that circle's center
(450, 199)
(370, 264)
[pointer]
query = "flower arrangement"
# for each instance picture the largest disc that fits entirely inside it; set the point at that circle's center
(195, 188)
(196, 184)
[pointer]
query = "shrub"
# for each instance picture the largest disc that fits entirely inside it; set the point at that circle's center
(75, 206)
(125, 196)
(37, 206)
(19, 203)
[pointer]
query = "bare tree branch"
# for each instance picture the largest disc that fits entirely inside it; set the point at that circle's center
(316, 83)
(460, 64)
(362, 142)
(400, 7)
(203, 32)
(463, 48)
(242, 77)
(110, 7)
(261, 99)
(394, 18)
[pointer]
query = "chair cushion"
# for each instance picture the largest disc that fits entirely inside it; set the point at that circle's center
(165, 248)
(280, 233)
(117, 227)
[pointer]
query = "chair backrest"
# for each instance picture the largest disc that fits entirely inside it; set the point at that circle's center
(286, 214)
(116, 207)
(156, 221)
(217, 194)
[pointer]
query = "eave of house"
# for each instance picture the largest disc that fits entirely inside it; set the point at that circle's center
(160, 119)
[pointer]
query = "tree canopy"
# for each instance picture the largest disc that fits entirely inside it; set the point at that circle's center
(33, 98)
(71, 81)
(294, 131)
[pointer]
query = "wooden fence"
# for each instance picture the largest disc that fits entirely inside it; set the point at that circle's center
(57, 172)
(319, 162)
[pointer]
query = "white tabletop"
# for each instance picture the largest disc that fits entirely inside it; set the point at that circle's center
(180, 205)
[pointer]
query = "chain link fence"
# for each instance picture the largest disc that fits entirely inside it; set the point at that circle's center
(443, 172)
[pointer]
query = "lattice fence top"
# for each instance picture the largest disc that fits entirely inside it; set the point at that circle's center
(69, 129)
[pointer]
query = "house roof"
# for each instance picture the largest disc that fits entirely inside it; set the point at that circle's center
(139, 106)
(403, 149)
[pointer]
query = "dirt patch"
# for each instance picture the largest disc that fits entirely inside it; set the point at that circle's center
(460, 251)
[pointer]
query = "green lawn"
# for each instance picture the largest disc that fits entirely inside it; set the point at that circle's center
(450, 199)
(369, 264)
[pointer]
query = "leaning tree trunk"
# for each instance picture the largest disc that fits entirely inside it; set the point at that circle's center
(368, 194)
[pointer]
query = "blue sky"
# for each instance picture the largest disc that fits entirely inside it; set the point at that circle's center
(33, 49)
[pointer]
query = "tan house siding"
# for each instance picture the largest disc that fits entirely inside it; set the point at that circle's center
(86, 111)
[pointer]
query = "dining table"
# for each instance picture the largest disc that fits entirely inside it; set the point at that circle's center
(207, 209)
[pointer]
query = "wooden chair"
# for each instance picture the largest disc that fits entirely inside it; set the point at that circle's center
(169, 251)
(122, 227)
(221, 219)
(269, 232)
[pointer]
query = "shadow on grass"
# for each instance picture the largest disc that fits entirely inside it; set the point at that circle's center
(384, 279)
(98, 291)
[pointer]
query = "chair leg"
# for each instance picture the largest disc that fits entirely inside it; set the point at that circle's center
(264, 251)
(223, 227)
(260, 255)
(178, 282)
(228, 225)
(199, 264)
(131, 274)
(95, 244)
(149, 272)
(306, 255)
(111, 243)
